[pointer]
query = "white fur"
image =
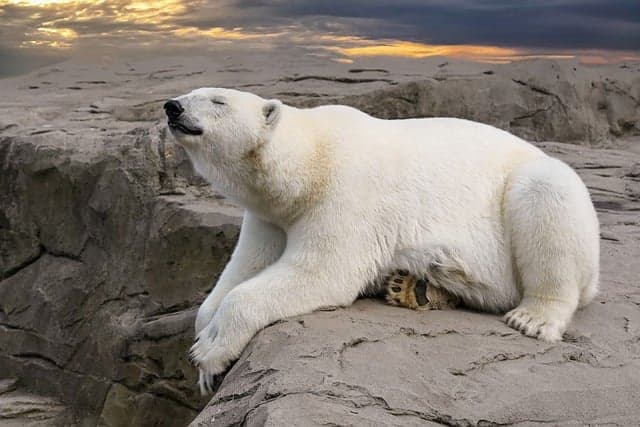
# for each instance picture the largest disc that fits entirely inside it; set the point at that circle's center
(335, 198)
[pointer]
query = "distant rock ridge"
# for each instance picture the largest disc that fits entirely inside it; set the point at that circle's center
(554, 104)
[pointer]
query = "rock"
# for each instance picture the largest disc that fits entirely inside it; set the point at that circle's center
(98, 299)
(20, 409)
(109, 242)
(526, 99)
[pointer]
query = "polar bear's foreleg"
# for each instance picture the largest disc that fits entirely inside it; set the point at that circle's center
(260, 244)
(300, 282)
(555, 238)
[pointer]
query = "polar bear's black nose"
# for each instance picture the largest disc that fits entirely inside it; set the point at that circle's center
(173, 109)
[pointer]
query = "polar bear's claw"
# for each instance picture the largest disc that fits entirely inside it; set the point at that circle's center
(208, 383)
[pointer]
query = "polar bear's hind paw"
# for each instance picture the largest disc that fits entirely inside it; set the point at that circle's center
(403, 289)
(400, 288)
(534, 325)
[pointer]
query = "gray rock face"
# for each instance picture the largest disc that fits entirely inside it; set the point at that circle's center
(102, 268)
(109, 242)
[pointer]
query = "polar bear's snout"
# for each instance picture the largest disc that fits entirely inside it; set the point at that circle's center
(178, 121)
(173, 109)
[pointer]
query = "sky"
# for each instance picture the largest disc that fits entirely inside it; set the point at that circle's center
(38, 32)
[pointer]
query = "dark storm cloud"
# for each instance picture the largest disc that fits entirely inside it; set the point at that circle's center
(559, 24)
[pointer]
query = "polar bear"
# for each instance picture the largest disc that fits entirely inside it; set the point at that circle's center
(335, 197)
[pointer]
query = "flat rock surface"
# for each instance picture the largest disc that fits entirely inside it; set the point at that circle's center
(109, 242)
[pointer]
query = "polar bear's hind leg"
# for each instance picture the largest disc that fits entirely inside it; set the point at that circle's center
(555, 241)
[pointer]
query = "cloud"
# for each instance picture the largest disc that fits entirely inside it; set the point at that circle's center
(494, 28)
(559, 24)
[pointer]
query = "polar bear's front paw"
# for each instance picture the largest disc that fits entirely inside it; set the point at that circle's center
(534, 324)
(215, 348)
(212, 358)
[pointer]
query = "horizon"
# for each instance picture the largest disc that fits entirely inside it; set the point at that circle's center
(40, 32)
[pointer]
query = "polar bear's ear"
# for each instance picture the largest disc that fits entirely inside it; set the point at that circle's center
(271, 111)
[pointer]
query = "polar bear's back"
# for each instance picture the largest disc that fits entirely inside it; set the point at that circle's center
(446, 142)
(461, 133)
(358, 128)
(454, 133)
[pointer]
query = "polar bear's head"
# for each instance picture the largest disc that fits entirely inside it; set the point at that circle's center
(221, 126)
(262, 154)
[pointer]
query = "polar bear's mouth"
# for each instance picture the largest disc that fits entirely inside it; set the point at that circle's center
(184, 128)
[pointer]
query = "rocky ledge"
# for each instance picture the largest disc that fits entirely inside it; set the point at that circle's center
(372, 364)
